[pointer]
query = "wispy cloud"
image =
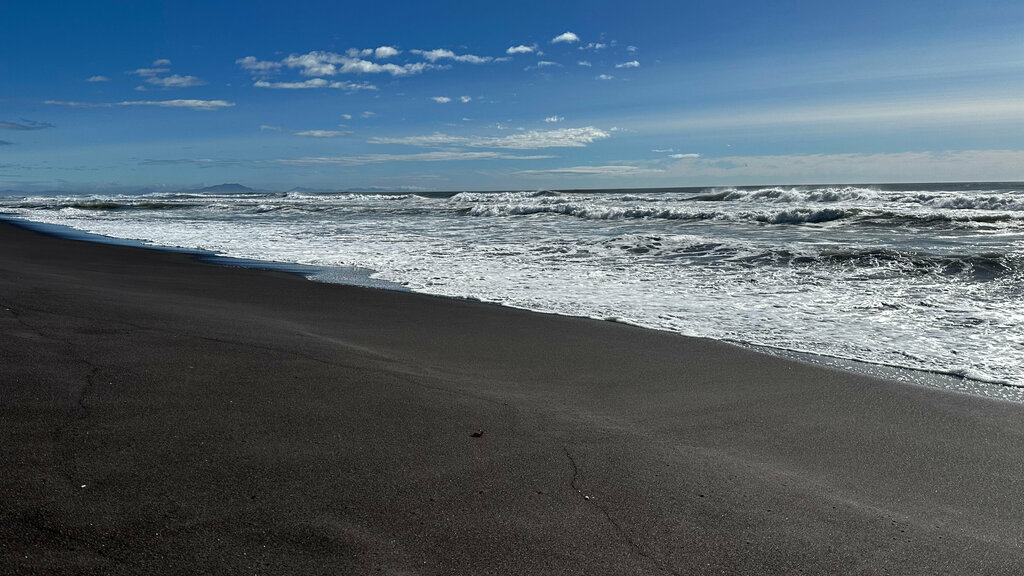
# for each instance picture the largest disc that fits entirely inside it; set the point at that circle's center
(193, 104)
(181, 103)
(630, 64)
(175, 81)
(584, 63)
(97, 79)
(208, 162)
(551, 119)
(315, 83)
(257, 66)
(268, 127)
(156, 76)
(604, 77)
(442, 54)
(903, 112)
(566, 37)
(24, 125)
(543, 64)
(323, 133)
(938, 166)
(610, 170)
(683, 156)
(465, 99)
(361, 160)
(528, 140)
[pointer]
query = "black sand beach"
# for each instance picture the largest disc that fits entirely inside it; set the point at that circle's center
(159, 415)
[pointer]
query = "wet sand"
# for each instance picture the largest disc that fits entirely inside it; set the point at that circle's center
(162, 415)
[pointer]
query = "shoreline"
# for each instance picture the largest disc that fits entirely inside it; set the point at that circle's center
(166, 415)
(362, 278)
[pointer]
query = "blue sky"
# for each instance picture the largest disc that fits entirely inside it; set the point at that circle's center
(462, 95)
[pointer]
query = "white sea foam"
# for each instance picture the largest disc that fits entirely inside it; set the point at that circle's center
(929, 279)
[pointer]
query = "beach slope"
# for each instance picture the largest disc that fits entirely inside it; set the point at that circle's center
(160, 415)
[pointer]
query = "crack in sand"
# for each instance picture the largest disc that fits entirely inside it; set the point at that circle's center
(662, 564)
(80, 410)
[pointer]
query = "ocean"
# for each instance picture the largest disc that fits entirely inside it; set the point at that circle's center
(926, 277)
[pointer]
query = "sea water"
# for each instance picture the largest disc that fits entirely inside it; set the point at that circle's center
(928, 277)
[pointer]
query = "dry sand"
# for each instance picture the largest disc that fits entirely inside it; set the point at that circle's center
(159, 415)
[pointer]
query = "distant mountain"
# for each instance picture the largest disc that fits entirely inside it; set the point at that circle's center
(231, 188)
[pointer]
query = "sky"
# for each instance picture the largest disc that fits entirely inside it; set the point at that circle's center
(450, 95)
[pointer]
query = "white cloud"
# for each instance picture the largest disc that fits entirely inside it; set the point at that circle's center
(604, 77)
(683, 156)
(319, 63)
(567, 37)
(543, 64)
(442, 54)
(631, 49)
(315, 83)
(630, 64)
(465, 99)
(584, 63)
(323, 133)
(663, 150)
(368, 114)
(441, 99)
(193, 104)
(256, 66)
(521, 49)
(552, 119)
(593, 46)
(346, 116)
(446, 156)
(175, 81)
(155, 76)
(268, 127)
(311, 83)
(148, 72)
(385, 52)
(611, 170)
(527, 140)
(97, 79)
